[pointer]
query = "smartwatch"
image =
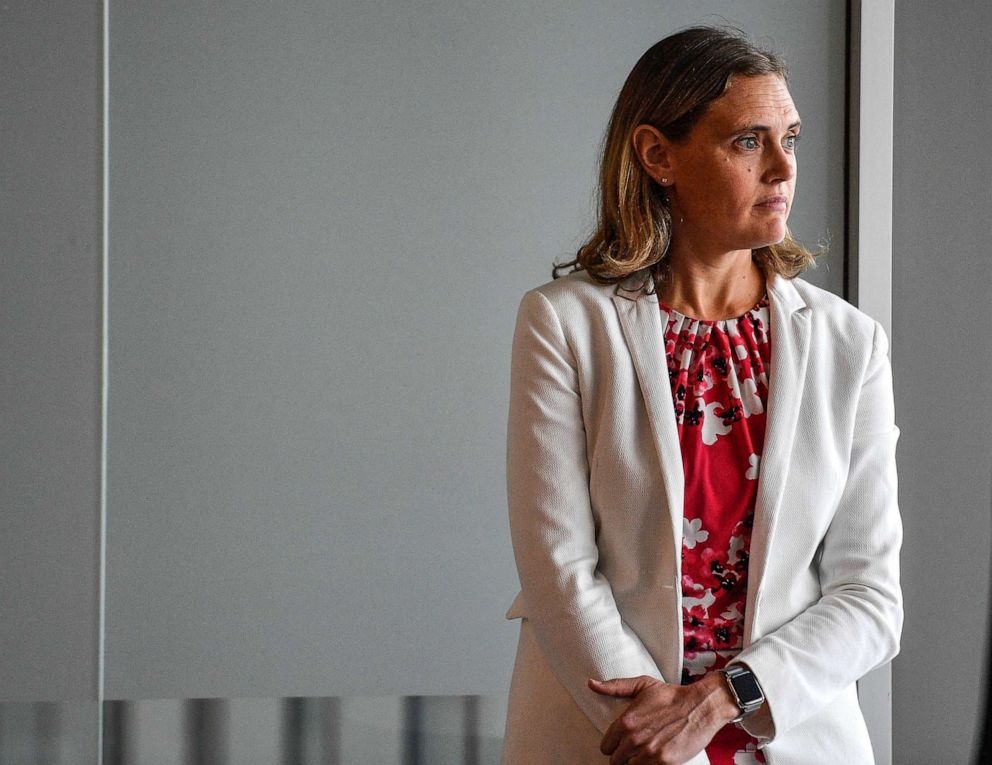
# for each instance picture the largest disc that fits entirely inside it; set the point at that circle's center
(744, 686)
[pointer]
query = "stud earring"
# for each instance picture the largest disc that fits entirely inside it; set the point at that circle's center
(664, 180)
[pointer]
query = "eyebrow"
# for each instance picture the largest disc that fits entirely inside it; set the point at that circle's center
(763, 128)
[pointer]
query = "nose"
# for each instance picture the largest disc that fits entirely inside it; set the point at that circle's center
(781, 164)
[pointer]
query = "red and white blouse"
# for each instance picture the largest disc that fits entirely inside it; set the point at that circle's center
(719, 376)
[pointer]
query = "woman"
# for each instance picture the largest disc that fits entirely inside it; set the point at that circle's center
(708, 586)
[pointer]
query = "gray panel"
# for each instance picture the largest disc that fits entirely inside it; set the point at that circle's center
(322, 220)
(940, 353)
(50, 343)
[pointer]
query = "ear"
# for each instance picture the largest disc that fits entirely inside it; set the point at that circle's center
(655, 153)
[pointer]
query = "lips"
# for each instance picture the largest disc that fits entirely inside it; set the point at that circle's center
(779, 202)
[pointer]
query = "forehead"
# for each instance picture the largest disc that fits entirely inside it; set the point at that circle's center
(763, 99)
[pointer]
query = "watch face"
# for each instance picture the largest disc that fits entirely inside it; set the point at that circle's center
(748, 690)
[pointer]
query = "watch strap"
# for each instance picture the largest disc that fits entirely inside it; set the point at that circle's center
(745, 688)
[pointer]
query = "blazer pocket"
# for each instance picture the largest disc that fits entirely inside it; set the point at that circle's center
(517, 609)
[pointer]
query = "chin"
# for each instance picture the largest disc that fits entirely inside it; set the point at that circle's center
(770, 238)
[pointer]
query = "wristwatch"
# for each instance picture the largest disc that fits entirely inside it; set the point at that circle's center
(744, 685)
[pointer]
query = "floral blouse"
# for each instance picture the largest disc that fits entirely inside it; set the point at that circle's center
(719, 376)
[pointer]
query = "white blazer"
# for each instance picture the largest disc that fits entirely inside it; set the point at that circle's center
(595, 488)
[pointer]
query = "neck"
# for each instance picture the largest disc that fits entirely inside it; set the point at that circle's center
(712, 287)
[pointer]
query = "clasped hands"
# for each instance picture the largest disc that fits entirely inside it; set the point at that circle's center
(664, 724)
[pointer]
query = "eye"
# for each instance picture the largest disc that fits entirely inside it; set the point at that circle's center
(749, 142)
(791, 141)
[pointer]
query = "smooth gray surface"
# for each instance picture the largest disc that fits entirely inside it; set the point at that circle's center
(50, 301)
(940, 352)
(322, 220)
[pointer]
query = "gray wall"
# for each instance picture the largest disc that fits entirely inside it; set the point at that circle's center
(50, 288)
(50, 340)
(942, 315)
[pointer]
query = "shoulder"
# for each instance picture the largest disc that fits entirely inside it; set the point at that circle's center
(575, 298)
(577, 286)
(838, 322)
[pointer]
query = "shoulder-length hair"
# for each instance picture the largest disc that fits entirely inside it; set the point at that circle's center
(670, 87)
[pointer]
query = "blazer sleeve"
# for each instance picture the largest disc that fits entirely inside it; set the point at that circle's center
(856, 624)
(567, 600)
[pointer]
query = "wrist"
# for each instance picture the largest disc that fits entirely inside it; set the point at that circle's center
(721, 706)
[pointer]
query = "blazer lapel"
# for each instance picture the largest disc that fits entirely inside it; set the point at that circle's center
(790, 333)
(640, 318)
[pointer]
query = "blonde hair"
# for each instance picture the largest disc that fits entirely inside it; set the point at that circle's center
(670, 87)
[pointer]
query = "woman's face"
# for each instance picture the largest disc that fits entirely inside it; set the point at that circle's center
(732, 178)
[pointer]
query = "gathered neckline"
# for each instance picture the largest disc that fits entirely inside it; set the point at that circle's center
(671, 311)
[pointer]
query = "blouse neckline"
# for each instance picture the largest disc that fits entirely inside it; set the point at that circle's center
(672, 312)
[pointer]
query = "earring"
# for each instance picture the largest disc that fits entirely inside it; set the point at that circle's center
(664, 180)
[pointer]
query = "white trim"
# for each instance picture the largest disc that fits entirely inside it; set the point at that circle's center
(870, 172)
(869, 245)
(104, 366)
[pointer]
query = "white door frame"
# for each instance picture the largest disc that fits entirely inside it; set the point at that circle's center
(869, 240)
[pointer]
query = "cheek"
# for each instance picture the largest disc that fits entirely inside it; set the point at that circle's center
(743, 188)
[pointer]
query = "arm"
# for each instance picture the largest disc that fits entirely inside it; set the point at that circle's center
(569, 603)
(856, 625)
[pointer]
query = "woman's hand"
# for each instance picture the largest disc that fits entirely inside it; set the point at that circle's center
(664, 724)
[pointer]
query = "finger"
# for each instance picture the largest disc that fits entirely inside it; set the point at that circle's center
(611, 739)
(624, 752)
(618, 738)
(624, 686)
(608, 688)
